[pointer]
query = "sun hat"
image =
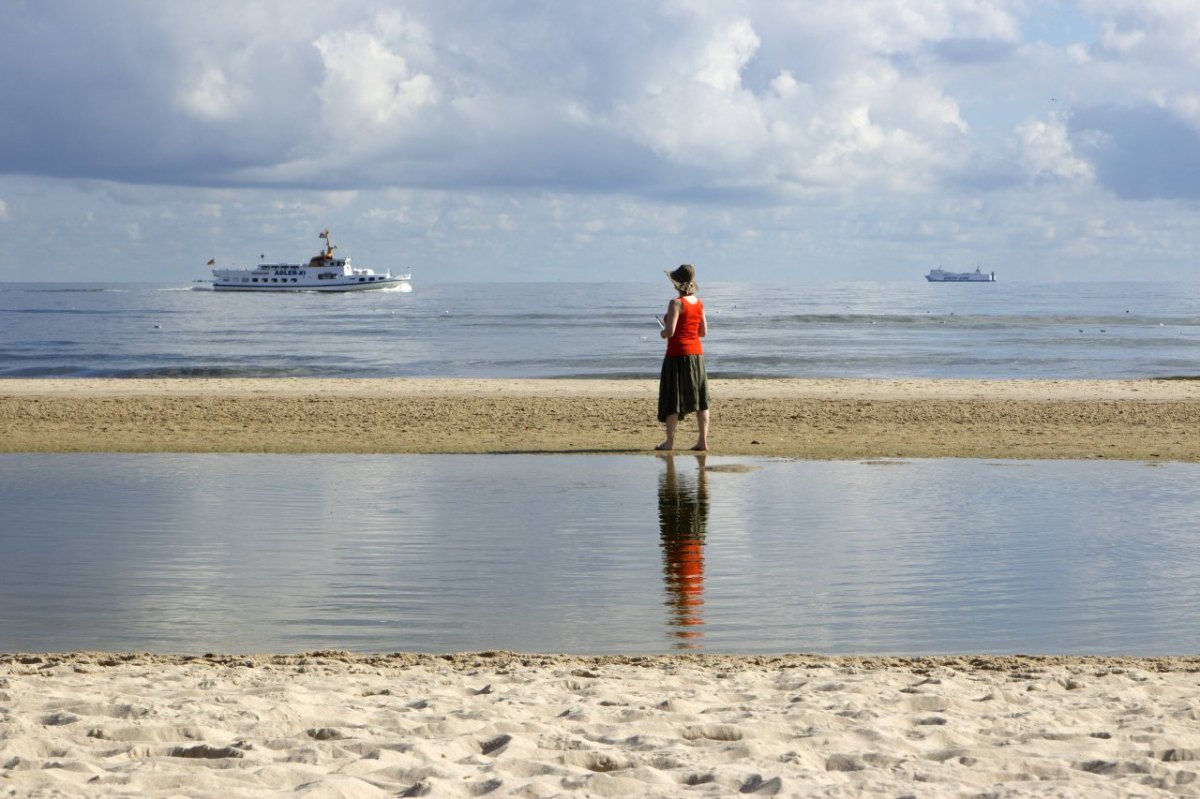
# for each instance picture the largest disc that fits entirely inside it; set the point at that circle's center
(684, 279)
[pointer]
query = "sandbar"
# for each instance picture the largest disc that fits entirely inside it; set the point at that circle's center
(1154, 420)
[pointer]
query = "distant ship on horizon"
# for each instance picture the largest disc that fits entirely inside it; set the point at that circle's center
(940, 275)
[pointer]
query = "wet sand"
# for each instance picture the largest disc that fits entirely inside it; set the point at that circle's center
(820, 419)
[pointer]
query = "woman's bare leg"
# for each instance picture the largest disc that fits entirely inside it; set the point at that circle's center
(670, 424)
(702, 421)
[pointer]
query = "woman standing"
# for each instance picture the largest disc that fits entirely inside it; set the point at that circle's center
(683, 384)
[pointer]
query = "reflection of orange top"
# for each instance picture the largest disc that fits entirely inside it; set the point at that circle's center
(683, 546)
(686, 340)
(683, 523)
(686, 560)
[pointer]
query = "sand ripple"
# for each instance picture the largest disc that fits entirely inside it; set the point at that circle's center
(500, 724)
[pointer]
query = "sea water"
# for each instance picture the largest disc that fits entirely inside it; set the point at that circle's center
(596, 554)
(867, 330)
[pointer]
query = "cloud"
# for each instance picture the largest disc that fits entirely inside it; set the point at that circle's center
(212, 97)
(973, 51)
(368, 89)
(641, 97)
(1046, 151)
(1165, 31)
(1140, 153)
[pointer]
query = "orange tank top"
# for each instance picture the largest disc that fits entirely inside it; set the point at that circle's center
(686, 340)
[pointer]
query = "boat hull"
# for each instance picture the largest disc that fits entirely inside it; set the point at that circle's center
(323, 287)
(978, 276)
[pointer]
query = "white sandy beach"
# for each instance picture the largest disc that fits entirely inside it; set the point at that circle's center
(503, 725)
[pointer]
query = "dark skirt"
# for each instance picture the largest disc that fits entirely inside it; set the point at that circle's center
(682, 386)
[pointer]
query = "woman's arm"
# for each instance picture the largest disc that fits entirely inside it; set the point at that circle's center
(670, 320)
(703, 330)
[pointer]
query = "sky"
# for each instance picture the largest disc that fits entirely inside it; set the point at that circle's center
(582, 141)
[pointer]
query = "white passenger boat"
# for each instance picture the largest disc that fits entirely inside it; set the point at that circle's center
(323, 272)
(940, 275)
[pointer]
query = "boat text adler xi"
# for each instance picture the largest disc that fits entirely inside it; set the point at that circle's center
(323, 272)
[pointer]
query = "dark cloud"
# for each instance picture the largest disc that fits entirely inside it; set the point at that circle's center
(99, 88)
(152, 93)
(1140, 153)
(983, 175)
(973, 50)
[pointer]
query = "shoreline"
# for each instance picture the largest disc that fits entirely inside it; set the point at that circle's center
(508, 724)
(1153, 420)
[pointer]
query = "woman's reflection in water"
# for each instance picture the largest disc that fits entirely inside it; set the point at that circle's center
(683, 525)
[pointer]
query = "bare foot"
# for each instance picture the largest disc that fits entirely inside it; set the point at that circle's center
(665, 446)
(700, 448)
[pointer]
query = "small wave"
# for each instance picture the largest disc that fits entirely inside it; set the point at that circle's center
(42, 371)
(135, 373)
(214, 371)
(77, 290)
(617, 375)
(64, 312)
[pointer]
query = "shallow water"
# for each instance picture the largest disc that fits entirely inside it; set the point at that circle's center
(595, 554)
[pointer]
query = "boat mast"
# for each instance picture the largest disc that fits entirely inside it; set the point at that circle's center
(329, 245)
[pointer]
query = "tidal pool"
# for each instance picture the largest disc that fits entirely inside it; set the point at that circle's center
(595, 554)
